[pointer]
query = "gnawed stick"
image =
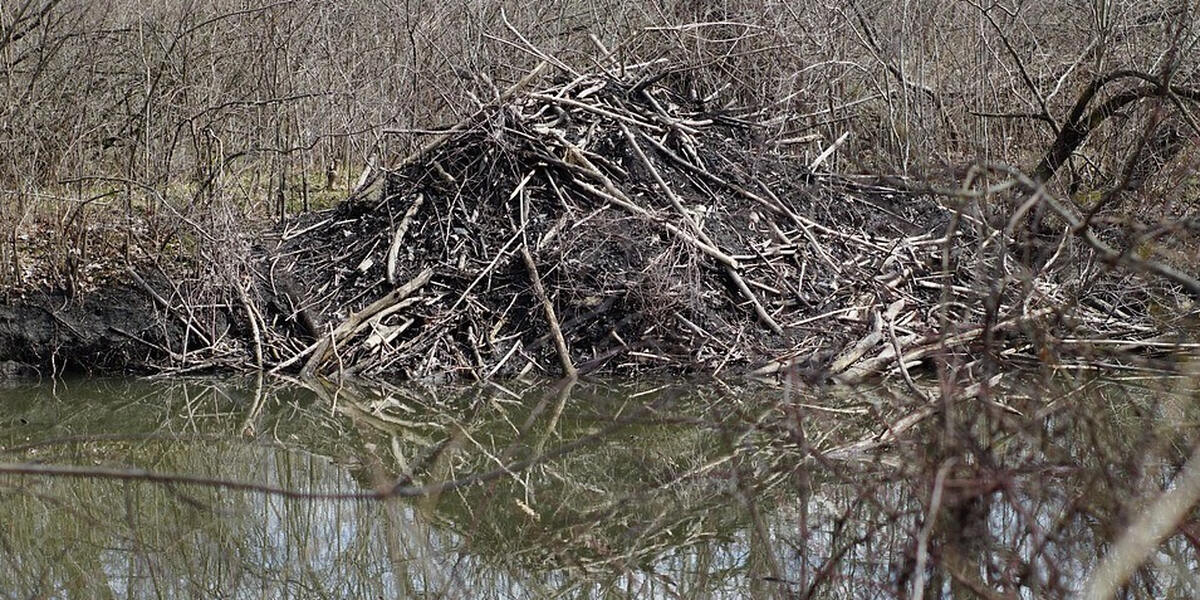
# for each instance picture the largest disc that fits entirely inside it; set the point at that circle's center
(394, 250)
(828, 151)
(560, 343)
(858, 350)
(252, 316)
(295, 358)
(351, 324)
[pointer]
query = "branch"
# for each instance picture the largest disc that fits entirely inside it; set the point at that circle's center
(1077, 127)
(1081, 229)
(1076, 130)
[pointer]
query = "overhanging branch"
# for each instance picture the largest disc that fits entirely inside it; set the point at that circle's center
(1078, 126)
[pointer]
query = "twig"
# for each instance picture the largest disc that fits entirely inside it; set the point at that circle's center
(352, 322)
(564, 354)
(394, 249)
(252, 316)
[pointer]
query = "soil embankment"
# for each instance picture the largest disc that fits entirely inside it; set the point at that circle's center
(116, 329)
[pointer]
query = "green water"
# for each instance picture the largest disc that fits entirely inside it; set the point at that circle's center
(575, 491)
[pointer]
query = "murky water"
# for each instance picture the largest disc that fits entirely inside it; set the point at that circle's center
(246, 489)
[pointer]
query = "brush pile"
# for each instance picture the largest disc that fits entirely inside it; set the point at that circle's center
(605, 223)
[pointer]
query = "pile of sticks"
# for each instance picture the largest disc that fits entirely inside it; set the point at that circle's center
(605, 223)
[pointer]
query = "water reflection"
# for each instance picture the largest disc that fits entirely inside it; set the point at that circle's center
(580, 490)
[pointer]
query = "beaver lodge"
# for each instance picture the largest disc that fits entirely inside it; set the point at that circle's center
(605, 223)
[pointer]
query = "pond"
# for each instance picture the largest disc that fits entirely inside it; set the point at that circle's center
(271, 488)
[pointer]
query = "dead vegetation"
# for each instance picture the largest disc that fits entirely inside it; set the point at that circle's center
(672, 193)
(604, 221)
(134, 132)
(681, 213)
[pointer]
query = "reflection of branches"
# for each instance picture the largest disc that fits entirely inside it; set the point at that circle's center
(113, 437)
(399, 490)
(133, 474)
(1149, 529)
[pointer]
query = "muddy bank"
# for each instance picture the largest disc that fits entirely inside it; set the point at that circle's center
(117, 329)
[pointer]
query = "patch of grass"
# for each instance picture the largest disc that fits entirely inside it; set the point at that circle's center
(79, 236)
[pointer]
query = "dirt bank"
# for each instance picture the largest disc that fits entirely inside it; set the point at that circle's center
(116, 329)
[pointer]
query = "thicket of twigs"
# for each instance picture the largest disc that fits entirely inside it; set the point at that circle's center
(605, 220)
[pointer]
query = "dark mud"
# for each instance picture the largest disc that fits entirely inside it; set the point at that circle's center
(117, 329)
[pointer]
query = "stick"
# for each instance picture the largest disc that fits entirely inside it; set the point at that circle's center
(250, 314)
(294, 359)
(861, 348)
(564, 354)
(353, 321)
(828, 151)
(394, 250)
